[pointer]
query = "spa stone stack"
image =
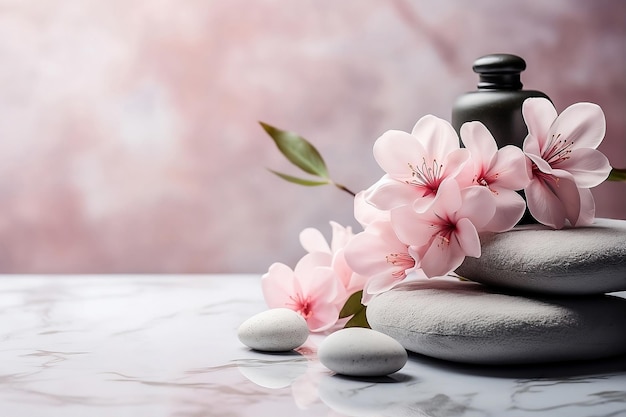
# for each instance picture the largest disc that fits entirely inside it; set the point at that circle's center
(535, 295)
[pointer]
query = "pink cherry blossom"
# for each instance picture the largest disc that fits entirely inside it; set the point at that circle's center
(448, 231)
(501, 171)
(378, 254)
(365, 213)
(564, 162)
(313, 241)
(415, 164)
(310, 290)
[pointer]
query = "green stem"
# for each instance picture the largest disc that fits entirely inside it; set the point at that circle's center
(344, 188)
(617, 175)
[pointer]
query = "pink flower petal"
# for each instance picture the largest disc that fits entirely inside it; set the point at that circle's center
(539, 114)
(341, 236)
(531, 145)
(394, 150)
(342, 270)
(481, 144)
(541, 164)
(509, 169)
(510, 207)
(388, 193)
(423, 204)
(312, 269)
(544, 205)
(367, 296)
(437, 135)
(478, 206)
(323, 318)
(448, 198)
(312, 240)
(382, 283)
(442, 257)
(454, 163)
(589, 167)
(379, 284)
(468, 239)
(357, 282)
(364, 253)
(551, 200)
(310, 261)
(569, 194)
(278, 285)
(365, 213)
(367, 252)
(581, 123)
(411, 228)
(587, 208)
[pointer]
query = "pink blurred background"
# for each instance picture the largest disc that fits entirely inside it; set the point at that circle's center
(128, 129)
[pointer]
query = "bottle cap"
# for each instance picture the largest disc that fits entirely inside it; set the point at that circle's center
(499, 71)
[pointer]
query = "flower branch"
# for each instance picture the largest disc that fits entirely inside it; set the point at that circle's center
(303, 155)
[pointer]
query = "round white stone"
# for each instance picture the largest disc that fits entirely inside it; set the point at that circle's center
(275, 330)
(535, 258)
(361, 352)
(469, 322)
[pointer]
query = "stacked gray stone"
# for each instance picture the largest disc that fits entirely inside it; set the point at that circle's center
(535, 295)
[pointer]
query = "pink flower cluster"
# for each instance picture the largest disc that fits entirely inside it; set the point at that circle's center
(320, 283)
(425, 215)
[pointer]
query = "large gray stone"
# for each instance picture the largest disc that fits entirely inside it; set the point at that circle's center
(469, 322)
(587, 260)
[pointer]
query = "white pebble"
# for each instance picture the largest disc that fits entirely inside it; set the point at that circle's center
(275, 330)
(361, 352)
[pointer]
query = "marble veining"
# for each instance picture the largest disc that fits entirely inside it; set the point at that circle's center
(147, 345)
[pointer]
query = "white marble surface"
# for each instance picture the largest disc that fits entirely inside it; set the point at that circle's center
(167, 346)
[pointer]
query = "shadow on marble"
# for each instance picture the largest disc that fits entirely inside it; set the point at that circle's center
(614, 366)
(395, 378)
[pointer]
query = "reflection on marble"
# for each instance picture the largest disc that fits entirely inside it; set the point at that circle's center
(167, 346)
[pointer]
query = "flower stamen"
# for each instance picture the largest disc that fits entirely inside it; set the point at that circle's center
(443, 232)
(558, 150)
(302, 306)
(402, 261)
(426, 176)
(485, 180)
(551, 181)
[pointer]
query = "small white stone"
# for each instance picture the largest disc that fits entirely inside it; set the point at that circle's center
(275, 330)
(361, 352)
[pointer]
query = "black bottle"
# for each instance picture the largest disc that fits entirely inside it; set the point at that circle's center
(498, 101)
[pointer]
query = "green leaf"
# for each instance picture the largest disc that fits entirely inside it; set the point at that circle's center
(352, 306)
(617, 175)
(300, 181)
(298, 151)
(359, 320)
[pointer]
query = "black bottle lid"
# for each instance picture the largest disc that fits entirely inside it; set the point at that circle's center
(499, 71)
